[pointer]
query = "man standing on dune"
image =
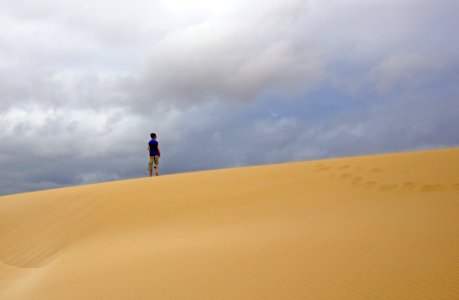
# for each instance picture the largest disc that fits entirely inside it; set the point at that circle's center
(155, 153)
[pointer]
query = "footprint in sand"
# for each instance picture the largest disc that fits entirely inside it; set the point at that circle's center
(356, 180)
(344, 167)
(427, 188)
(376, 170)
(409, 185)
(387, 187)
(370, 184)
(345, 176)
(321, 168)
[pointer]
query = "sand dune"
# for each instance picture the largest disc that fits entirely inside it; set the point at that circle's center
(374, 227)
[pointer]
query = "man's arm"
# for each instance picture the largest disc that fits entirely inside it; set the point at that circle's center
(159, 150)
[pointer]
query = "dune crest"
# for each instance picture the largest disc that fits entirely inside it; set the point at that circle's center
(370, 227)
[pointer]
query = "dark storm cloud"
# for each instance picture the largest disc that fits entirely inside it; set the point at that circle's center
(82, 86)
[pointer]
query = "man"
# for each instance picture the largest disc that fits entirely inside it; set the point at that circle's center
(155, 153)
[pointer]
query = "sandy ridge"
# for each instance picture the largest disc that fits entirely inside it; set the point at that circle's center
(373, 227)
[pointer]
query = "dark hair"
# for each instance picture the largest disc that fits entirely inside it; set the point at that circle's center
(153, 135)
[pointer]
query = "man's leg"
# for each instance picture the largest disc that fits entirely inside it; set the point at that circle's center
(150, 166)
(156, 165)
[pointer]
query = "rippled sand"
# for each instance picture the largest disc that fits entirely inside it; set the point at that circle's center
(374, 227)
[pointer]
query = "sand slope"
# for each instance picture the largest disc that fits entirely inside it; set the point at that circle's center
(376, 227)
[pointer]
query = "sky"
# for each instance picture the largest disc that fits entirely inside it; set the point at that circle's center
(223, 84)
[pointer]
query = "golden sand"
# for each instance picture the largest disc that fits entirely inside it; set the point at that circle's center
(374, 227)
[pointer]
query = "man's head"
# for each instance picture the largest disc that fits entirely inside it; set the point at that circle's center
(153, 135)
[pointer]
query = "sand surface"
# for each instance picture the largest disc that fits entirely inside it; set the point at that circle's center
(374, 227)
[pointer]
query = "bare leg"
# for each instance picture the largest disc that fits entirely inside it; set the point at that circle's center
(157, 171)
(151, 172)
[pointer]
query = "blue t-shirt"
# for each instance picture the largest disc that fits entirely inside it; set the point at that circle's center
(153, 144)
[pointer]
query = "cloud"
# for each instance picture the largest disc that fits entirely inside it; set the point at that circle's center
(401, 69)
(226, 59)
